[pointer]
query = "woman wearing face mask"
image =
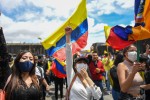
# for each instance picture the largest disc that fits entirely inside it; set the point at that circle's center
(83, 88)
(128, 75)
(23, 83)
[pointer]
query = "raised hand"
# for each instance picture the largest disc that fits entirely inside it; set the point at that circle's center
(97, 70)
(137, 67)
(68, 30)
(84, 73)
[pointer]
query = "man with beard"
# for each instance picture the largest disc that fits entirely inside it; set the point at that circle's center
(96, 70)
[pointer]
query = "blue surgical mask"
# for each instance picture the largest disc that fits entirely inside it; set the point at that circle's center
(25, 66)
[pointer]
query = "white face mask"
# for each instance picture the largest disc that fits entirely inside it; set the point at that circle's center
(80, 66)
(132, 56)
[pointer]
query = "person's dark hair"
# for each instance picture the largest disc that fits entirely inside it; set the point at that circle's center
(81, 59)
(126, 49)
(89, 57)
(143, 58)
(106, 54)
(74, 56)
(16, 75)
(118, 59)
(94, 52)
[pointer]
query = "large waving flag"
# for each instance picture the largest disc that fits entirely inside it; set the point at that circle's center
(55, 44)
(113, 40)
(128, 35)
(58, 68)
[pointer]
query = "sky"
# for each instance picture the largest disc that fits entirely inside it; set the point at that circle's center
(27, 20)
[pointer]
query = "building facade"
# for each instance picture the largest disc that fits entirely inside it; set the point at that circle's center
(101, 47)
(35, 48)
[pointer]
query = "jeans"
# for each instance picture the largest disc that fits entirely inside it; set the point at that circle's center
(115, 94)
(107, 81)
(99, 84)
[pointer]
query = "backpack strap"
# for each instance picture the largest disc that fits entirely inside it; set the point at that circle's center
(8, 80)
(68, 90)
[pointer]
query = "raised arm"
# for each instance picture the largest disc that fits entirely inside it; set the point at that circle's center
(69, 58)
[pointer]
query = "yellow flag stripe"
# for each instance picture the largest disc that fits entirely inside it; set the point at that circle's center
(75, 20)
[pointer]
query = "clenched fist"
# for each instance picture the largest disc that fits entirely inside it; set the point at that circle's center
(68, 30)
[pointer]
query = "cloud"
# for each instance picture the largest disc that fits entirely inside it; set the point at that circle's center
(51, 8)
(132, 23)
(97, 28)
(93, 27)
(94, 38)
(31, 23)
(57, 8)
(26, 20)
(96, 33)
(125, 3)
(101, 7)
(27, 31)
(9, 5)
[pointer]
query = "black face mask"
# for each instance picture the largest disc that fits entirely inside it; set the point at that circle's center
(25, 66)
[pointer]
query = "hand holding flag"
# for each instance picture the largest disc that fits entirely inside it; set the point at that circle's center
(55, 43)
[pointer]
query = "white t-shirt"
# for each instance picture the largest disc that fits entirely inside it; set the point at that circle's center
(78, 91)
(38, 73)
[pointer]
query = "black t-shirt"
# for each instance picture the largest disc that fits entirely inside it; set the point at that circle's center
(114, 76)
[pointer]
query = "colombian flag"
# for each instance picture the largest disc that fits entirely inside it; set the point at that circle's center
(55, 44)
(113, 40)
(119, 37)
(58, 68)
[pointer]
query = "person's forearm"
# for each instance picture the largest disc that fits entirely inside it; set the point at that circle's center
(67, 38)
(146, 87)
(89, 81)
(69, 61)
(44, 82)
(127, 83)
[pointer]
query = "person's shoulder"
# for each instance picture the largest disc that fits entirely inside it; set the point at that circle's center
(100, 62)
(122, 66)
